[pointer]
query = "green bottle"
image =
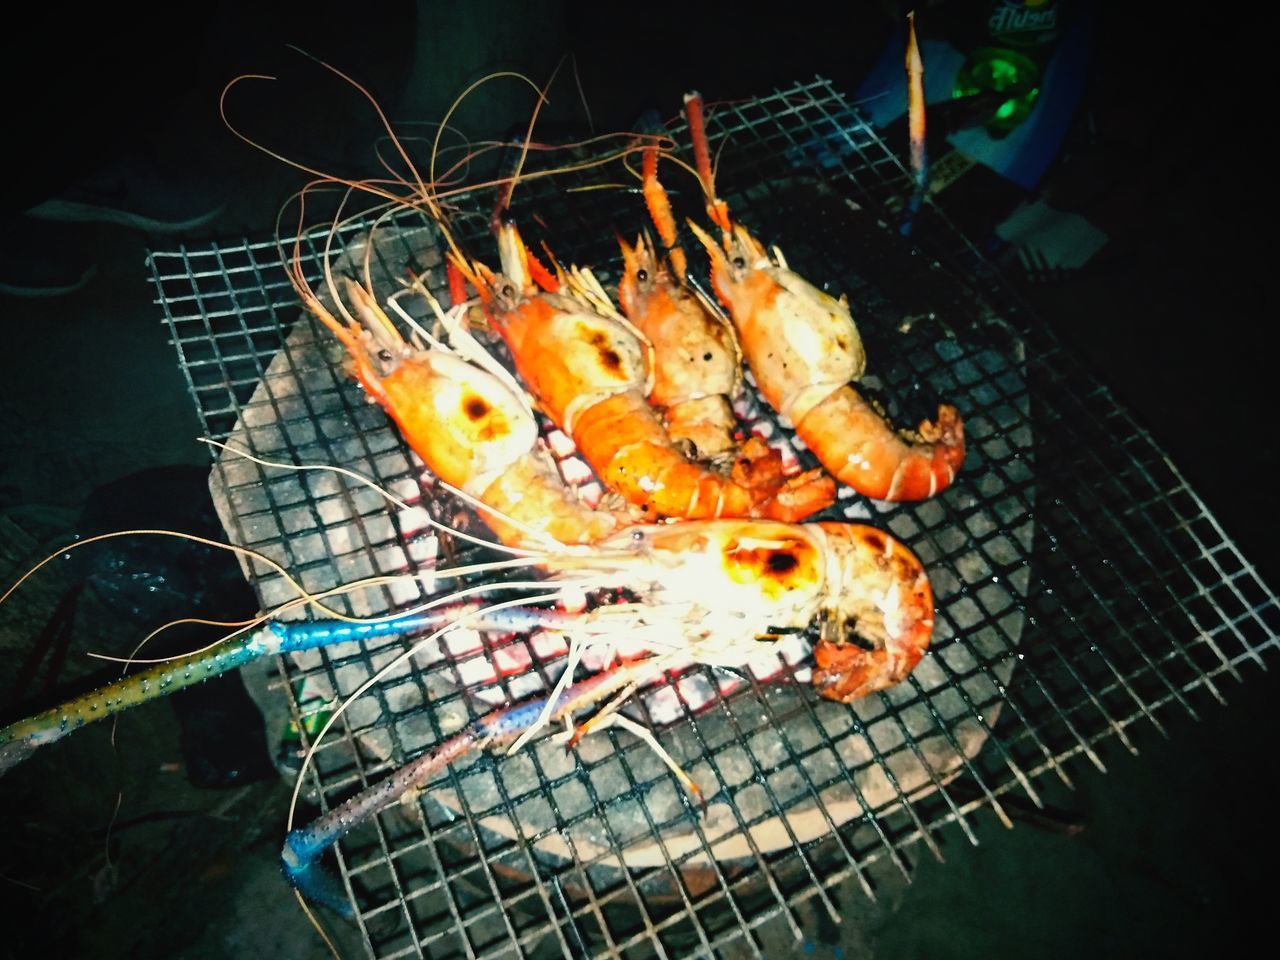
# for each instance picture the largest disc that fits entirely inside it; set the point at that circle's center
(1020, 39)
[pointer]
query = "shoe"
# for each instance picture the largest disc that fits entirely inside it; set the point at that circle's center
(137, 193)
(80, 205)
(43, 260)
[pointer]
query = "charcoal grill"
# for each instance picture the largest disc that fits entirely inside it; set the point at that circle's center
(1082, 587)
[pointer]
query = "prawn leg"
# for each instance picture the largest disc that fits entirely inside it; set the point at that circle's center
(916, 125)
(608, 716)
(571, 664)
(647, 736)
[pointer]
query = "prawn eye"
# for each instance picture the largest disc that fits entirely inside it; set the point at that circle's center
(637, 536)
(853, 637)
(508, 291)
(739, 262)
(642, 275)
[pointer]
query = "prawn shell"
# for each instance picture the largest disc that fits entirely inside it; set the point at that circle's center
(886, 596)
(694, 352)
(801, 343)
(769, 572)
(531, 492)
(473, 433)
(856, 443)
(466, 425)
(633, 454)
(569, 358)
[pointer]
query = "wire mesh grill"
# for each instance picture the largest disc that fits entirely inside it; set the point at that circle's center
(1082, 586)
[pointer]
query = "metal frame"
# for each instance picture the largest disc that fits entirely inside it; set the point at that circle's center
(1083, 586)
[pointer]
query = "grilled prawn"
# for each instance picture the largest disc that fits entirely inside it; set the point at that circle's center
(712, 591)
(471, 429)
(806, 354)
(697, 363)
(590, 371)
(739, 580)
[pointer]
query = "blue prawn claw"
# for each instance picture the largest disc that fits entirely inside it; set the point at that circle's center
(20, 739)
(304, 847)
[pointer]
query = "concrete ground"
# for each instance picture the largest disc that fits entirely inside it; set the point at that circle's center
(109, 851)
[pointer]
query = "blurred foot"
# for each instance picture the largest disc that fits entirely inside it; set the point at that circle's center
(137, 192)
(43, 259)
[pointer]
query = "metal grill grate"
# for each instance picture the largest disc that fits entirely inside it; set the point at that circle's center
(1068, 527)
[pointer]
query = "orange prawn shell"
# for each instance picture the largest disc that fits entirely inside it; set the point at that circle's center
(568, 357)
(738, 565)
(470, 432)
(695, 354)
(883, 465)
(801, 343)
(590, 375)
(463, 429)
(623, 438)
(887, 569)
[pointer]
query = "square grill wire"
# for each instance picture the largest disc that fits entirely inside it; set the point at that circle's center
(1068, 527)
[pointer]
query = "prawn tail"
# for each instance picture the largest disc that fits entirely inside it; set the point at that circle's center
(801, 497)
(791, 499)
(883, 622)
(847, 672)
(930, 465)
(854, 440)
(946, 434)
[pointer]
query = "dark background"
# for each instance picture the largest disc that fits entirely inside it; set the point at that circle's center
(1166, 153)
